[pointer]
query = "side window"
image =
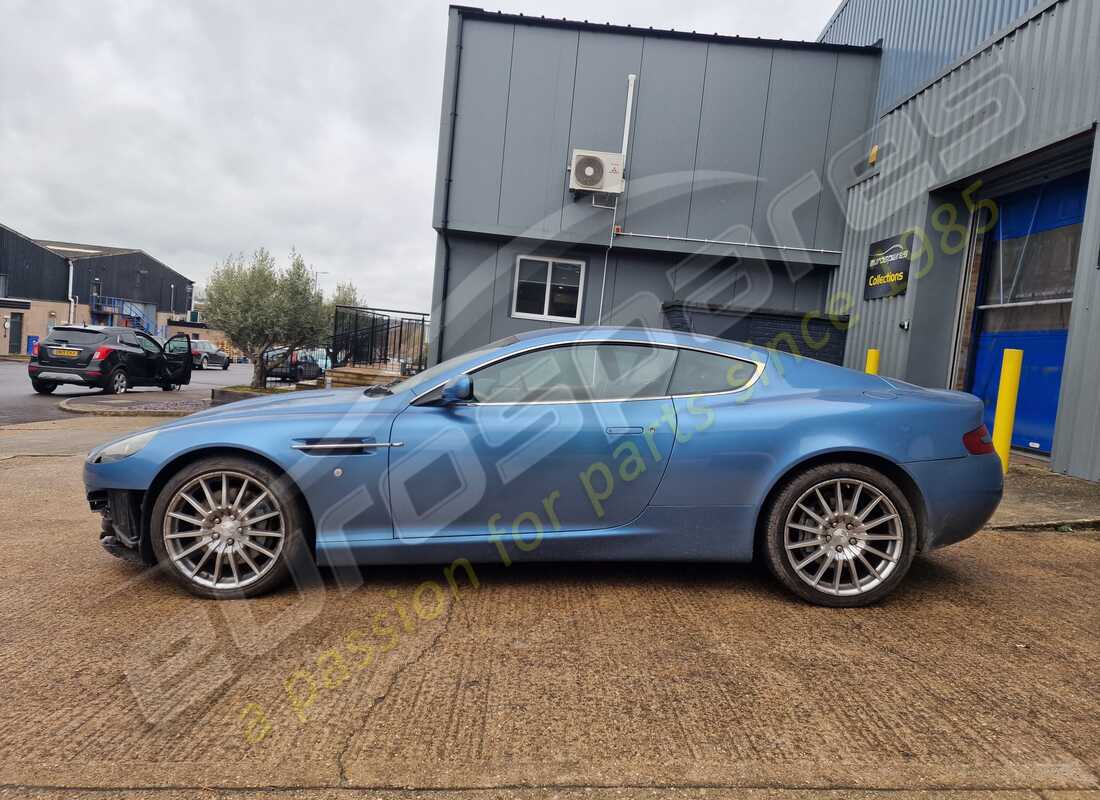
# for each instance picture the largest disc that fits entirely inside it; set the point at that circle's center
(548, 289)
(577, 374)
(149, 346)
(129, 339)
(707, 373)
(177, 346)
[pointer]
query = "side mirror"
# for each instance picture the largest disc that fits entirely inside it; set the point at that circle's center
(458, 390)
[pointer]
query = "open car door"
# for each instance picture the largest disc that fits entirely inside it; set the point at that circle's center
(178, 352)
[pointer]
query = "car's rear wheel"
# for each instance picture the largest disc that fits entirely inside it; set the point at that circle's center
(117, 382)
(43, 387)
(204, 363)
(841, 535)
(228, 527)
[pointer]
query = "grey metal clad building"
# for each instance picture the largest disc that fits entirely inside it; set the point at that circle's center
(919, 38)
(989, 176)
(724, 224)
(922, 180)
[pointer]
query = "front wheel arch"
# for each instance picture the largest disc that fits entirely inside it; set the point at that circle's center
(889, 468)
(145, 545)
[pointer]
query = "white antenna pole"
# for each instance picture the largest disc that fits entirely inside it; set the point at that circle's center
(629, 109)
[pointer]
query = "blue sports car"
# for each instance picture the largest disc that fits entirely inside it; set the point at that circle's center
(565, 444)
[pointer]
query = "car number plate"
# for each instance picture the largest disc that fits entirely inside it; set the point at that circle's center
(66, 352)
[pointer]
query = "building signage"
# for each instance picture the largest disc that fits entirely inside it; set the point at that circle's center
(888, 268)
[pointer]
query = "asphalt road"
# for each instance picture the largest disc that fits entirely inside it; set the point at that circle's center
(19, 403)
(977, 678)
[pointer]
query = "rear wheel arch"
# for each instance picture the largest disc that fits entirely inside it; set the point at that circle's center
(890, 469)
(190, 457)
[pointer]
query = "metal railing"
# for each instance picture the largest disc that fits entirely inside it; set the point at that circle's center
(379, 337)
(120, 306)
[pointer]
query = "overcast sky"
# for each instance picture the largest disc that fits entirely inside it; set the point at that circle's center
(193, 130)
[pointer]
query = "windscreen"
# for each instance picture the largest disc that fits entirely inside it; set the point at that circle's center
(75, 336)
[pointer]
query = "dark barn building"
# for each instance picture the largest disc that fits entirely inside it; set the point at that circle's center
(45, 283)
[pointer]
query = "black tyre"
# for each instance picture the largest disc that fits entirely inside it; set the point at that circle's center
(169, 387)
(204, 363)
(43, 387)
(840, 535)
(228, 527)
(117, 382)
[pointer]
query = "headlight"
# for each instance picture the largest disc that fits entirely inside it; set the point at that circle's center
(123, 448)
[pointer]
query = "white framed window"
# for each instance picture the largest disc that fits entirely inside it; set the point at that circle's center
(549, 289)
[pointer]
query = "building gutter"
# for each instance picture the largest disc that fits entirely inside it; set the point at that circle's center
(446, 215)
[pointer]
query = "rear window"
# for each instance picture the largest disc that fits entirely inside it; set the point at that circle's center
(75, 336)
(706, 373)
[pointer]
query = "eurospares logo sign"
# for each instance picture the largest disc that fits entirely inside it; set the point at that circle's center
(887, 269)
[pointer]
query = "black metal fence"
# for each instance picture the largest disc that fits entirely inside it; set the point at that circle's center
(379, 337)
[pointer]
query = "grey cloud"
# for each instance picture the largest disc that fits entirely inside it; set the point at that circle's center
(197, 129)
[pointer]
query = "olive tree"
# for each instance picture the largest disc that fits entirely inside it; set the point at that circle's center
(262, 307)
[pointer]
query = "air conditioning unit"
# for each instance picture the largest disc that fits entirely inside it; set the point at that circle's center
(593, 171)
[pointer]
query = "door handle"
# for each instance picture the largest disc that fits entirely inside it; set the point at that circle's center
(626, 431)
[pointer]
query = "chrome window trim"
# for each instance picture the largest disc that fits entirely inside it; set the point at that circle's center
(748, 384)
(546, 316)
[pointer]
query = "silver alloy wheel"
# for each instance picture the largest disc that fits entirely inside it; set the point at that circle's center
(224, 530)
(118, 382)
(205, 363)
(844, 537)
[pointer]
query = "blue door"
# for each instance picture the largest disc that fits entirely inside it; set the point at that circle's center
(1025, 296)
(567, 438)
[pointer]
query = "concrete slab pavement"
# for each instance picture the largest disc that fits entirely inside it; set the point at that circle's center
(639, 681)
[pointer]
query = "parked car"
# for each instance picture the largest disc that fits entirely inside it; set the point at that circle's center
(298, 366)
(566, 445)
(207, 354)
(113, 359)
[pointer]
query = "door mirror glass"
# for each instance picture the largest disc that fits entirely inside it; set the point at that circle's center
(458, 390)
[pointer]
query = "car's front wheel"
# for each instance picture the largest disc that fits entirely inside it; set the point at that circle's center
(840, 535)
(228, 527)
(204, 363)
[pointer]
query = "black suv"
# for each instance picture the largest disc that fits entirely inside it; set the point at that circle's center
(112, 359)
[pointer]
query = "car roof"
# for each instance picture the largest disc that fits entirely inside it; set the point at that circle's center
(97, 328)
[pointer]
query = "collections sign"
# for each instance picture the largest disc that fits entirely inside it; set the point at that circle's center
(888, 268)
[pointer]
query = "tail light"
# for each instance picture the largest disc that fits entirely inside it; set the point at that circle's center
(978, 442)
(34, 350)
(101, 353)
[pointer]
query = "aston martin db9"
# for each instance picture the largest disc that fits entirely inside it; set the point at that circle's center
(581, 444)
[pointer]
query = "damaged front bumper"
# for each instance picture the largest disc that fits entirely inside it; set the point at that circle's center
(120, 527)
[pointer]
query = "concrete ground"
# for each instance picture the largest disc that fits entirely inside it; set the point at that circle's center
(976, 680)
(19, 403)
(1036, 496)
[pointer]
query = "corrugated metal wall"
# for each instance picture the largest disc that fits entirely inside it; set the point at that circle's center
(721, 129)
(1032, 88)
(34, 273)
(920, 37)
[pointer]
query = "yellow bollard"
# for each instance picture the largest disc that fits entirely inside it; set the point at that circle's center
(1005, 417)
(872, 362)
